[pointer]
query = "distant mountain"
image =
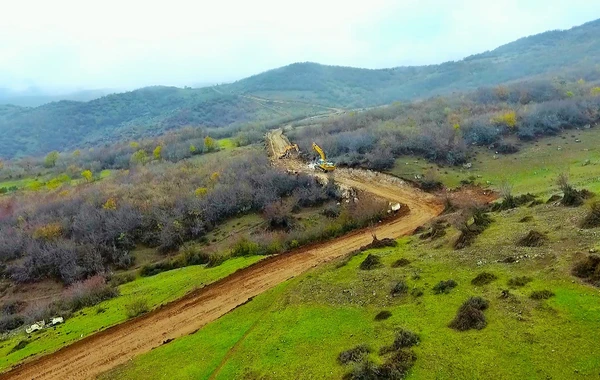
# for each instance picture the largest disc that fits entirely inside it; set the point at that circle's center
(65, 125)
(576, 49)
(35, 98)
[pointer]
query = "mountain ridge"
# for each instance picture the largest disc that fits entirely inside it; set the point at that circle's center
(152, 110)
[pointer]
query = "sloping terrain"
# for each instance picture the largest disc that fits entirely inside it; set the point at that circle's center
(102, 351)
(559, 52)
(305, 87)
(151, 111)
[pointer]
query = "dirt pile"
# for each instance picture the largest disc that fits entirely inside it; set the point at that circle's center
(532, 239)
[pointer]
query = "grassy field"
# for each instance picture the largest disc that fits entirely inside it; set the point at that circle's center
(39, 183)
(297, 329)
(157, 290)
(533, 169)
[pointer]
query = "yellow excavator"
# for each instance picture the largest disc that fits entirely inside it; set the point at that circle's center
(288, 149)
(322, 163)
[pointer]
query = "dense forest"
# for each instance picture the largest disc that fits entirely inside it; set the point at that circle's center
(68, 125)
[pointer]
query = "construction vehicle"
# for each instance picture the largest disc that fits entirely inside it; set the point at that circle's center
(322, 163)
(288, 149)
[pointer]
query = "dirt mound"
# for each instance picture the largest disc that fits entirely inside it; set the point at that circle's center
(400, 263)
(371, 262)
(376, 243)
(588, 269)
(592, 219)
(532, 239)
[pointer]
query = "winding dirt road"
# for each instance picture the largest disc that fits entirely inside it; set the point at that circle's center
(104, 350)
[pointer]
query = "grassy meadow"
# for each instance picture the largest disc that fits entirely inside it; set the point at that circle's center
(156, 290)
(298, 329)
(533, 169)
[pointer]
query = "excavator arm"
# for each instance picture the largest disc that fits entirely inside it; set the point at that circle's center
(323, 164)
(319, 150)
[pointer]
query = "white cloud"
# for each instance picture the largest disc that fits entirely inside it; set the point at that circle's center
(124, 44)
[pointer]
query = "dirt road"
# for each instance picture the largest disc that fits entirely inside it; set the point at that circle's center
(102, 351)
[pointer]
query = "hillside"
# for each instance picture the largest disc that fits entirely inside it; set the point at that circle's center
(566, 52)
(151, 111)
(35, 98)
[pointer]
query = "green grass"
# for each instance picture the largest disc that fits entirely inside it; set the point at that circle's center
(29, 183)
(533, 169)
(297, 329)
(19, 183)
(159, 289)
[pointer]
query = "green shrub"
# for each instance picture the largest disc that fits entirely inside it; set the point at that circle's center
(383, 315)
(444, 286)
(121, 278)
(215, 260)
(162, 266)
(519, 281)
(355, 354)
(11, 322)
(137, 307)
(399, 289)
(88, 293)
(245, 247)
(371, 262)
(192, 255)
(483, 278)
(405, 339)
(470, 315)
(417, 292)
(394, 368)
(541, 295)
(21, 345)
(397, 365)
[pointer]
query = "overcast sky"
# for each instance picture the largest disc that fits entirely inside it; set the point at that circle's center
(129, 43)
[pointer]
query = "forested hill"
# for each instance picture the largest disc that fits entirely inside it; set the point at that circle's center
(567, 52)
(150, 111)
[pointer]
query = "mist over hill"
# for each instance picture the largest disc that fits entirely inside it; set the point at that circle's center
(66, 125)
